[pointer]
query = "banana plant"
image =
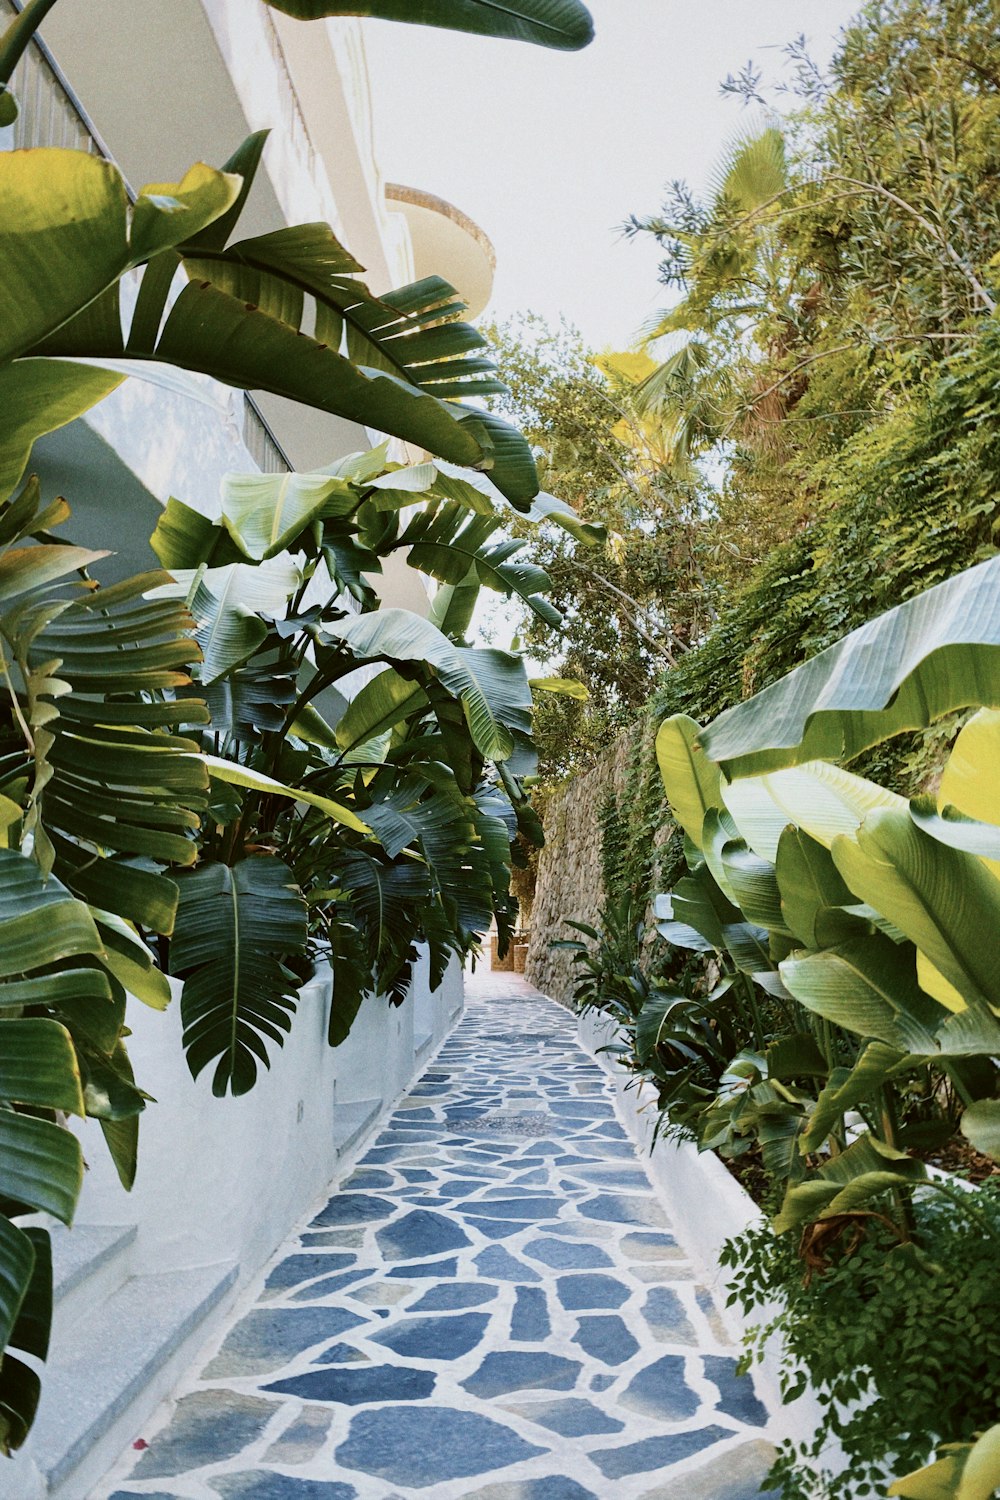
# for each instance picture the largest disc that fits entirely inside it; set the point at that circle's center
(99, 790)
(937, 652)
(239, 315)
(378, 817)
(867, 923)
(98, 794)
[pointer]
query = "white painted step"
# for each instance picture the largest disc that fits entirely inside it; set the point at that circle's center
(123, 1357)
(89, 1262)
(421, 1044)
(351, 1121)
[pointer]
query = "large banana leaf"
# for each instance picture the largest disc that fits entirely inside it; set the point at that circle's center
(847, 1087)
(565, 24)
(964, 1471)
(695, 913)
(42, 928)
(235, 927)
(868, 987)
(692, 783)
(37, 396)
(267, 513)
(70, 239)
(967, 811)
(823, 800)
(813, 891)
(67, 237)
(867, 1170)
(449, 544)
(935, 653)
(111, 783)
(492, 686)
(944, 900)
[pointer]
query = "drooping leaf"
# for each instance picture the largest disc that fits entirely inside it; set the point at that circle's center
(491, 685)
(69, 240)
(184, 538)
(266, 513)
(754, 883)
(935, 653)
(848, 1087)
(236, 926)
(20, 1391)
(448, 544)
(36, 397)
(692, 783)
(958, 832)
(847, 1182)
(246, 776)
(565, 24)
(696, 905)
(562, 687)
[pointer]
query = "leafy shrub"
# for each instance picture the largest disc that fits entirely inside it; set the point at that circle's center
(902, 1345)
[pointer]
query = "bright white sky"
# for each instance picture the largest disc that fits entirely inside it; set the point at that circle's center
(549, 152)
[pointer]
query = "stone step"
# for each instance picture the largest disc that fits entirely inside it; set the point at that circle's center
(89, 1262)
(351, 1121)
(422, 1045)
(125, 1355)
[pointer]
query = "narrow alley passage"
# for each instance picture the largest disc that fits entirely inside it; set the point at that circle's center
(492, 1306)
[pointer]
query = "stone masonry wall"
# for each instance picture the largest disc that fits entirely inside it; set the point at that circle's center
(569, 868)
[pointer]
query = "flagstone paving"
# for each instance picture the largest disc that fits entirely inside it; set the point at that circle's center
(493, 1306)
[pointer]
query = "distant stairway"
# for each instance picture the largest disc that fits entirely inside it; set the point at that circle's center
(119, 1344)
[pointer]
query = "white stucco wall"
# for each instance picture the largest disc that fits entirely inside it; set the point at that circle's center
(222, 1181)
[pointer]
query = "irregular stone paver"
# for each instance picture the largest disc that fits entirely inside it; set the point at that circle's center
(492, 1307)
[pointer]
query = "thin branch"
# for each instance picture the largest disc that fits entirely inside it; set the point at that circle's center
(629, 612)
(925, 223)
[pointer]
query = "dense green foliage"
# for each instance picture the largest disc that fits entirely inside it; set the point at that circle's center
(349, 825)
(819, 440)
(630, 611)
(902, 1345)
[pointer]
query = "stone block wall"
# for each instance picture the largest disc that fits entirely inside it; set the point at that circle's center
(569, 867)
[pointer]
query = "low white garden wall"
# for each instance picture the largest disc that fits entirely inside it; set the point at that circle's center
(706, 1206)
(225, 1180)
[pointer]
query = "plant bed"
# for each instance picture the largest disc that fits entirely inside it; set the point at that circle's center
(707, 1206)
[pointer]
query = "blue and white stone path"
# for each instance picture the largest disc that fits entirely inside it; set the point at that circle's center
(491, 1307)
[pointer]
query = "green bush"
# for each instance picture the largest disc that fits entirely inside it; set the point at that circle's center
(901, 1345)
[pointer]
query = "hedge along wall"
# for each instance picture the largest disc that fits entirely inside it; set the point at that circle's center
(609, 827)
